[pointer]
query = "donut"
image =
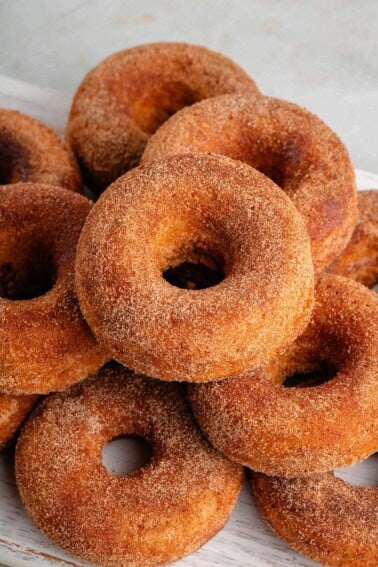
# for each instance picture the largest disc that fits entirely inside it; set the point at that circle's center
(45, 344)
(359, 260)
(159, 513)
(322, 517)
(30, 151)
(123, 100)
(13, 410)
(174, 212)
(296, 431)
(285, 142)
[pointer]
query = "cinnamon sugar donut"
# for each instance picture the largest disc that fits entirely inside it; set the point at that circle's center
(284, 141)
(359, 260)
(13, 410)
(300, 431)
(30, 151)
(123, 100)
(168, 213)
(322, 517)
(159, 513)
(45, 344)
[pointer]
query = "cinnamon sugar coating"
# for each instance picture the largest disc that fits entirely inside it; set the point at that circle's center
(125, 98)
(157, 514)
(154, 218)
(300, 431)
(13, 411)
(30, 151)
(359, 260)
(322, 517)
(284, 141)
(45, 344)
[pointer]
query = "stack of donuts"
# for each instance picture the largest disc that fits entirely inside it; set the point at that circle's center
(214, 300)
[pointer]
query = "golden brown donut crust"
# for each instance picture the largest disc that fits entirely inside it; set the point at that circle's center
(322, 517)
(30, 151)
(151, 219)
(157, 514)
(125, 98)
(359, 260)
(300, 431)
(13, 411)
(284, 141)
(45, 344)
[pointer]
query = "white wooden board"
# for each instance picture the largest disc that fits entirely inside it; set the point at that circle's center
(245, 541)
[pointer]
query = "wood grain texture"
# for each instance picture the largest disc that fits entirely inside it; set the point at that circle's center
(245, 541)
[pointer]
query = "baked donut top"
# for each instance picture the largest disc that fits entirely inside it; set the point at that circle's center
(150, 82)
(296, 431)
(323, 516)
(287, 143)
(151, 219)
(75, 425)
(123, 100)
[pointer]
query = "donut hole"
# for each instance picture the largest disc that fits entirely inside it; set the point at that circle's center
(13, 161)
(126, 454)
(320, 373)
(284, 163)
(157, 104)
(275, 172)
(6, 171)
(27, 268)
(199, 270)
(361, 474)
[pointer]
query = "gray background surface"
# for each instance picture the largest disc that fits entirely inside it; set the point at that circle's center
(322, 54)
